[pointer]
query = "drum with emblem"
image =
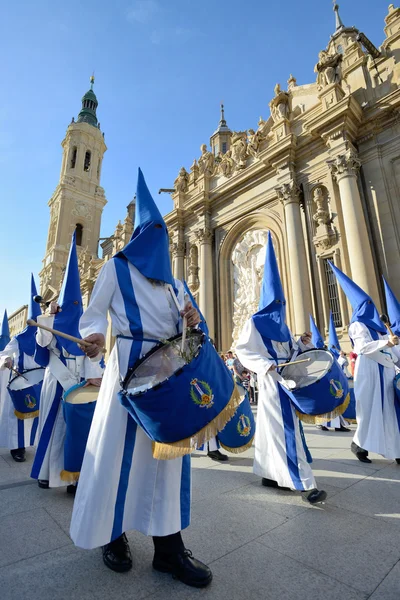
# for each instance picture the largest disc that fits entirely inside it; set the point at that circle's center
(321, 390)
(25, 390)
(238, 434)
(79, 403)
(350, 412)
(181, 396)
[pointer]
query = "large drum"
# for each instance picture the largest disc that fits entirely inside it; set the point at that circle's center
(321, 387)
(237, 435)
(350, 412)
(25, 390)
(79, 403)
(180, 397)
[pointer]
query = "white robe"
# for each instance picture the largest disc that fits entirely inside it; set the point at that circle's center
(49, 459)
(121, 485)
(271, 454)
(377, 424)
(14, 432)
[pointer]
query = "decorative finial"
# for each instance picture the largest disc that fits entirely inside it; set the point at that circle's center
(339, 23)
(91, 81)
(222, 122)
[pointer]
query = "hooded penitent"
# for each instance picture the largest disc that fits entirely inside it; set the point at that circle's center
(70, 301)
(5, 332)
(26, 339)
(317, 338)
(334, 345)
(364, 310)
(393, 308)
(270, 318)
(148, 249)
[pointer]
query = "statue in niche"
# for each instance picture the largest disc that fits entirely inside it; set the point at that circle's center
(182, 181)
(239, 148)
(254, 139)
(206, 161)
(328, 69)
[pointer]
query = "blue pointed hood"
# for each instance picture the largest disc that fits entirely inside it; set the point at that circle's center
(393, 308)
(203, 325)
(317, 338)
(364, 309)
(26, 339)
(148, 249)
(334, 345)
(270, 319)
(5, 332)
(70, 301)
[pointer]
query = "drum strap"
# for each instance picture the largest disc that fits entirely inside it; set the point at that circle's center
(61, 372)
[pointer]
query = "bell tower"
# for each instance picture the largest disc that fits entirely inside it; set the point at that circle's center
(78, 200)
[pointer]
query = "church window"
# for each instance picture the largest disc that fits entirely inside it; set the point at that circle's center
(216, 148)
(340, 49)
(224, 147)
(86, 164)
(73, 157)
(79, 234)
(333, 293)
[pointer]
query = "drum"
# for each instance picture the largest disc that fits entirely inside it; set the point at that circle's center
(396, 384)
(180, 397)
(350, 412)
(321, 387)
(78, 406)
(237, 435)
(25, 393)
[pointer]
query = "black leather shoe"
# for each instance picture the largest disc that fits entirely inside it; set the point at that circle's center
(398, 461)
(273, 484)
(18, 454)
(361, 454)
(71, 489)
(217, 455)
(43, 484)
(342, 428)
(315, 496)
(184, 567)
(322, 427)
(117, 555)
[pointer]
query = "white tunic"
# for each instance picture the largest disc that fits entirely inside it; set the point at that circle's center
(49, 459)
(279, 449)
(377, 424)
(14, 433)
(121, 485)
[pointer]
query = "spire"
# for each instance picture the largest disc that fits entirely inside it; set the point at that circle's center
(222, 125)
(338, 20)
(89, 106)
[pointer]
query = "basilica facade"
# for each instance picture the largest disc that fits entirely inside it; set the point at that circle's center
(321, 172)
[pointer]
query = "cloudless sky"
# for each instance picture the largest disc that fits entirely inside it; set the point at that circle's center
(162, 67)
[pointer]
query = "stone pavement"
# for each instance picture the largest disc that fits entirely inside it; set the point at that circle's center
(260, 543)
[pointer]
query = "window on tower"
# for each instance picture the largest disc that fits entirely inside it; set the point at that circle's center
(73, 157)
(224, 146)
(79, 234)
(86, 164)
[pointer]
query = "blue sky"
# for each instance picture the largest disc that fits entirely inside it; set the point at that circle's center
(162, 67)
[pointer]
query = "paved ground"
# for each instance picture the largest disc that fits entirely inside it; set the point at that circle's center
(261, 544)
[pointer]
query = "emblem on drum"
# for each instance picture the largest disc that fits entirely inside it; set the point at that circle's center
(244, 426)
(336, 388)
(30, 401)
(201, 393)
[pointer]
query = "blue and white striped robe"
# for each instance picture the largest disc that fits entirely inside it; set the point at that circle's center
(280, 452)
(14, 432)
(121, 486)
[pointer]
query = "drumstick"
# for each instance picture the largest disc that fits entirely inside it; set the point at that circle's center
(72, 338)
(294, 362)
(385, 321)
(18, 373)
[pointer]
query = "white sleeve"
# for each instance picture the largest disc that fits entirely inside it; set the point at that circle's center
(91, 369)
(362, 339)
(43, 337)
(94, 319)
(251, 350)
(9, 351)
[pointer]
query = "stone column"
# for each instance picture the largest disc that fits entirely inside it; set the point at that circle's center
(206, 291)
(345, 169)
(288, 193)
(178, 254)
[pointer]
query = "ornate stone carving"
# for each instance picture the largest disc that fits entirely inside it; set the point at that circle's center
(82, 210)
(84, 259)
(239, 148)
(178, 249)
(279, 105)
(328, 69)
(254, 139)
(193, 269)
(288, 193)
(204, 235)
(182, 181)
(321, 215)
(194, 171)
(69, 180)
(99, 191)
(206, 161)
(225, 163)
(325, 235)
(345, 165)
(248, 258)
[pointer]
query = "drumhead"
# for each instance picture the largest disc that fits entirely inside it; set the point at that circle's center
(163, 361)
(81, 395)
(33, 376)
(305, 374)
